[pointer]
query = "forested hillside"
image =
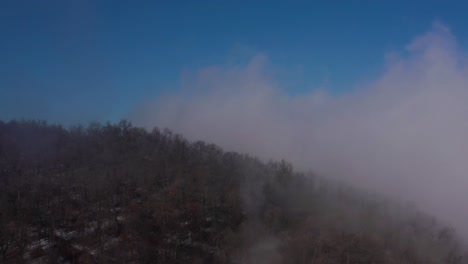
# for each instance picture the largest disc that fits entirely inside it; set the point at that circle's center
(119, 194)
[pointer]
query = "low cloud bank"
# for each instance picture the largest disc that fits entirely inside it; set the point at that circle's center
(405, 134)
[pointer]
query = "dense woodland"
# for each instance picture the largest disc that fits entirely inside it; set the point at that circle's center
(115, 193)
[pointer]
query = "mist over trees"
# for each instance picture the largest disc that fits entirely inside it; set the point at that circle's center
(114, 193)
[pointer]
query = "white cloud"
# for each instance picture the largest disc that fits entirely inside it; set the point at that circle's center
(405, 134)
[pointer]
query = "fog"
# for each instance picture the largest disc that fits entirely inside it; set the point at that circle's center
(403, 134)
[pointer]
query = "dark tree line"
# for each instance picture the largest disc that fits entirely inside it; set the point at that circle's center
(115, 193)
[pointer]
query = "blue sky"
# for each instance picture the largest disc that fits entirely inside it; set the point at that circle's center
(75, 61)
